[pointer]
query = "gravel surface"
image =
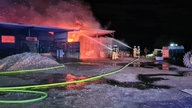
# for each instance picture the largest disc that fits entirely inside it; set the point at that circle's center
(26, 61)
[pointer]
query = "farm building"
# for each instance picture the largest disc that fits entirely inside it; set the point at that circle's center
(18, 38)
(61, 42)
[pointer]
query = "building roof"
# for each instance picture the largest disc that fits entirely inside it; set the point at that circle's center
(16, 26)
(97, 32)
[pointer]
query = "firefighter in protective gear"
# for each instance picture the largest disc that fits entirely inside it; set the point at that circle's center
(138, 52)
(134, 52)
(115, 52)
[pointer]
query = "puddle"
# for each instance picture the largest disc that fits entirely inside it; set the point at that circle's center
(138, 85)
(145, 64)
(163, 65)
(84, 63)
(148, 80)
(53, 78)
(185, 73)
(56, 78)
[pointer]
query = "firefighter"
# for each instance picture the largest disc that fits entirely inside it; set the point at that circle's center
(138, 52)
(115, 52)
(134, 52)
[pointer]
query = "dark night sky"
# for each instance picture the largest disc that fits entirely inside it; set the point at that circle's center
(148, 23)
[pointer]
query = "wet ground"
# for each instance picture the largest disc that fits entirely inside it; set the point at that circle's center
(144, 84)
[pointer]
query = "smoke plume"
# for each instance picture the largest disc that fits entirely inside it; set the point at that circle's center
(59, 13)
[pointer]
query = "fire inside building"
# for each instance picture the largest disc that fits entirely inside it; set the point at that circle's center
(60, 42)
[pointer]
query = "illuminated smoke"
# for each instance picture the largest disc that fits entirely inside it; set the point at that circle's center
(59, 13)
(73, 14)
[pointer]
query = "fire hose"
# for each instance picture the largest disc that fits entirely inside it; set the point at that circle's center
(43, 95)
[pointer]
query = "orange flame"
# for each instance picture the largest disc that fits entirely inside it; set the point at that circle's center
(92, 46)
(70, 78)
(78, 86)
(73, 37)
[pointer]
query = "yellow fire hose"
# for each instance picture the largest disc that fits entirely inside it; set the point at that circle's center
(43, 95)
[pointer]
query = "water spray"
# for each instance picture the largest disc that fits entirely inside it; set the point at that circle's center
(98, 42)
(25, 89)
(121, 43)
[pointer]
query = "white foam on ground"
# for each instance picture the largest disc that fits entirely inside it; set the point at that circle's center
(189, 91)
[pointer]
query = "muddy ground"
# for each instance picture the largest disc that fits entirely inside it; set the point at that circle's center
(142, 85)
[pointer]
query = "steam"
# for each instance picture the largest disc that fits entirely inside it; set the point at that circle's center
(59, 13)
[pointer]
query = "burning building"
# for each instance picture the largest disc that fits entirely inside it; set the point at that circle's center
(17, 38)
(85, 38)
(93, 43)
(68, 43)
